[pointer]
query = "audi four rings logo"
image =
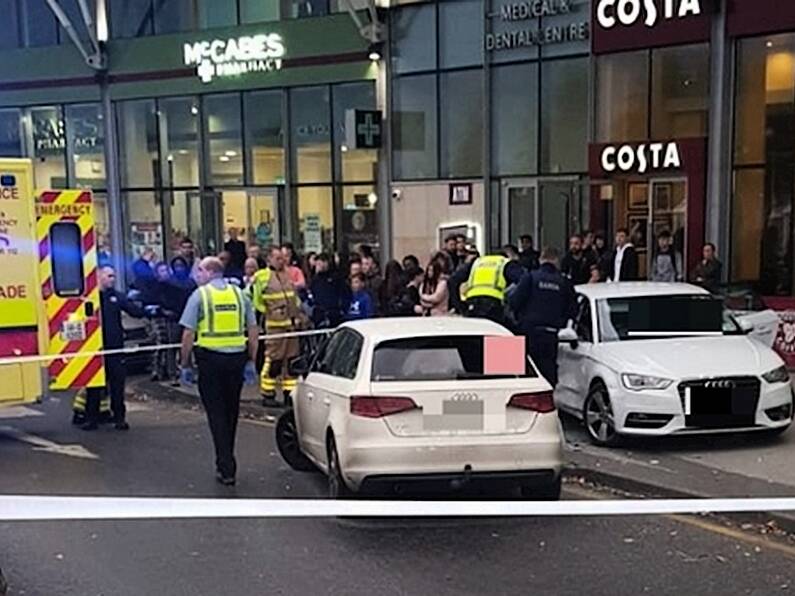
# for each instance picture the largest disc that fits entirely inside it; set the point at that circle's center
(719, 385)
(465, 397)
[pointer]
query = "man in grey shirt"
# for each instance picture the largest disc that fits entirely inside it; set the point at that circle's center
(219, 320)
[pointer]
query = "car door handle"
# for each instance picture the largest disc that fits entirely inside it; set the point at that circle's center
(326, 401)
(310, 395)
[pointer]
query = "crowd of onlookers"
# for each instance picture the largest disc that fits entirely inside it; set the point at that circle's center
(334, 288)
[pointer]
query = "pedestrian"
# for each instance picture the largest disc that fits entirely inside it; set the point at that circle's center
(291, 258)
(361, 304)
(143, 270)
(623, 260)
(575, 265)
(484, 290)
(187, 251)
(372, 279)
(544, 302)
(460, 250)
(434, 297)
(276, 298)
(595, 274)
(112, 303)
(390, 290)
(250, 268)
(232, 274)
(236, 249)
(354, 264)
(255, 252)
(410, 262)
(407, 301)
(450, 251)
(708, 272)
(458, 279)
(293, 267)
(219, 321)
(528, 255)
(182, 280)
(168, 300)
(666, 263)
(330, 295)
(308, 267)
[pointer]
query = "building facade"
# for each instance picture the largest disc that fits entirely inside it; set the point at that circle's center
(543, 117)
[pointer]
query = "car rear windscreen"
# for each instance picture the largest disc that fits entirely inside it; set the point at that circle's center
(437, 358)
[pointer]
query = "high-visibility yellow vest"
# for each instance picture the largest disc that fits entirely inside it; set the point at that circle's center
(223, 324)
(487, 279)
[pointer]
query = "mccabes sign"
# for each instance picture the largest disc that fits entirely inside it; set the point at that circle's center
(629, 24)
(236, 56)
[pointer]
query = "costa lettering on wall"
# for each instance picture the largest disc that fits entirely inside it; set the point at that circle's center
(760, 16)
(685, 158)
(619, 25)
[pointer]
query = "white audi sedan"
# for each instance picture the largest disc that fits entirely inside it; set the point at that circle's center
(401, 405)
(659, 359)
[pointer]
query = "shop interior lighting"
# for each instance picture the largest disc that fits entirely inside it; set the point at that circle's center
(224, 158)
(230, 153)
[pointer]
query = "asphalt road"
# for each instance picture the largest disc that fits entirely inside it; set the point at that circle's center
(167, 453)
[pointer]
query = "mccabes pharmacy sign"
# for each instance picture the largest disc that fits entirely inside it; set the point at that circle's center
(235, 56)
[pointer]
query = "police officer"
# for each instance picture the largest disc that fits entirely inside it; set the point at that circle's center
(543, 302)
(219, 320)
(485, 290)
(112, 303)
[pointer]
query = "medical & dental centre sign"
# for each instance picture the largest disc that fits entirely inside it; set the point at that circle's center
(550, 32)
(235, 56)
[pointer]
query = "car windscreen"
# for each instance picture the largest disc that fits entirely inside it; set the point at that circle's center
(647, 317)
(437, 358)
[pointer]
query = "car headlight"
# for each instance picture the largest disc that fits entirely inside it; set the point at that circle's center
(777, 375)
(644, 382)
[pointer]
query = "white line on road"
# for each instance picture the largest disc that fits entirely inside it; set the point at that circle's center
(47, 446)
(19, 412)
(39, 508)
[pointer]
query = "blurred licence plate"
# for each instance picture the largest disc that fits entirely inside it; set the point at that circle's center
(466, 415)
(73, 331)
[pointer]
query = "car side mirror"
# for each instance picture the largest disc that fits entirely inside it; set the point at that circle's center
(746, 326)
(567, 335)
(300, 366)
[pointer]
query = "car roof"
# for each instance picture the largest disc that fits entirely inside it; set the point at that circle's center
(637, 289)
(406, 327)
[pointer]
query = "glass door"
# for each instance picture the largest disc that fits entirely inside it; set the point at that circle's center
(520, 211)
(251, 215)
(668, 213)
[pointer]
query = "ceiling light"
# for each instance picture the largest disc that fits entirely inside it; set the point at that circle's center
(194, 110)
(344, 148)
(769, 44)
(375, 56)
(183, 151)
(224, 158)
(230, 153)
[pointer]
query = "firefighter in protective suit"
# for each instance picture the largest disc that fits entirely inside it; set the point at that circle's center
(275, 297)
(484, 291)
(79, 409)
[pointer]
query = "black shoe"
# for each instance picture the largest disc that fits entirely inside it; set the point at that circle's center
(288, 400)
(78, 419)
(90, 426)
(269, 400)
(225, 480)
(175, 383)
(122, 426)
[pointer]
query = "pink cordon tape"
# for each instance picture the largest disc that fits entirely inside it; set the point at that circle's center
(38, 508)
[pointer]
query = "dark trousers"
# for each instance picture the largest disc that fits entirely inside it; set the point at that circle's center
(220, 384)
(483, 307)
(115, 377)
(542, 347)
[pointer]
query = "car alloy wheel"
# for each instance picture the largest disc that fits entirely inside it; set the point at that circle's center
(337, 489)
(289, 447)
(599, 419)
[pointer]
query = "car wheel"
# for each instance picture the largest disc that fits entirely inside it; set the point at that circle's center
(337, 489)
(598, 417)
(549, 492)
(289, 447)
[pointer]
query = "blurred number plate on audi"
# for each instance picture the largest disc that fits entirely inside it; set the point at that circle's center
(462, 412)
(73, 331)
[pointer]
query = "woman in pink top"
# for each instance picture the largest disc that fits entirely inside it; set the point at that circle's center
(293, 270)
(434, 296)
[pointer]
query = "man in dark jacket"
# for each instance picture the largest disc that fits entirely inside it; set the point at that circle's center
(576, 265)
(623, 261)
(236, 249)
(543, 303)
(330, 294)
(708, 272)
(528, 256)
(112, 303)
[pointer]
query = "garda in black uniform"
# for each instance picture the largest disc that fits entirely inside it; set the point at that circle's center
(223, 321)
(543, 303)
(112, 303)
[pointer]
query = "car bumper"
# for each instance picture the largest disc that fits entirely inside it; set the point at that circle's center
(380, 458)
(659, 406)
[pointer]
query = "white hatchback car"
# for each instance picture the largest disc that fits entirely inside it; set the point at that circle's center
(393, 405)
(657, 359)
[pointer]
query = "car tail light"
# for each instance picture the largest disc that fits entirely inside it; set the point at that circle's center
(373, 406)
(538, 402)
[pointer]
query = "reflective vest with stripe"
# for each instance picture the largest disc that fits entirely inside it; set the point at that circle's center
(276, 298)
(487, 279)
(223, 324)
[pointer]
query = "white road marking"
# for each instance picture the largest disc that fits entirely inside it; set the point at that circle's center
(19, 412)
(41, 508)
(47, 446)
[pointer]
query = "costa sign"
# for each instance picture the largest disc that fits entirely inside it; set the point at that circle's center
(642, 158)
(620, 25)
